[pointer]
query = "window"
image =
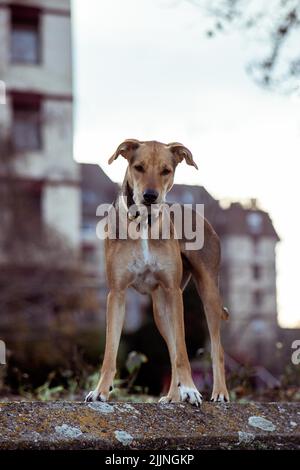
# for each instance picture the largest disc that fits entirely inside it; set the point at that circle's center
(257, 298)
(28, 200)
(26, 128)
(89, 197)
(22, 207)
(88, 255)
(88, 229)
(255, 222)
(256, 245)
(25, 36)
(256, 271)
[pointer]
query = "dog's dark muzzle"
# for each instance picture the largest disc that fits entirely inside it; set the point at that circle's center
(150, 196)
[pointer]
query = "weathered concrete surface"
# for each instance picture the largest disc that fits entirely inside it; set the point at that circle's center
(116, 426)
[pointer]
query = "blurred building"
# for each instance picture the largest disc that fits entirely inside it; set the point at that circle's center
(97, 188)
(36, 66)
(248, 272)
(248, 280)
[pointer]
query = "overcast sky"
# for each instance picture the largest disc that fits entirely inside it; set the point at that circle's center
(145, 69)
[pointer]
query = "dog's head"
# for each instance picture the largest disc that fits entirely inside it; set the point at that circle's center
(151, 168)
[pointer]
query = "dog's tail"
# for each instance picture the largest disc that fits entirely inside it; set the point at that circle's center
(225, 313)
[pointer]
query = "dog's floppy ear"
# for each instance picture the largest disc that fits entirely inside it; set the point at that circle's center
(180, 152)
(125, 149)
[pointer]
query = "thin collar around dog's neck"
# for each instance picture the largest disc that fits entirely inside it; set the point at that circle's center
(129, 202)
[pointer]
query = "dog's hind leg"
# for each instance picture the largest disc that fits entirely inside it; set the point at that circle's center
(206, 284)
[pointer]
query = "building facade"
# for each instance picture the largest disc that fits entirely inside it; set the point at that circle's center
(248, 273)
(36, 67)
(37, 121)
(248, 280)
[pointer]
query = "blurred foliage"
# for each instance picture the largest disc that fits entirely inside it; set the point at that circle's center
(133, 364)
(71, 385)
(243, 386)
(68, 386)
(273, 26)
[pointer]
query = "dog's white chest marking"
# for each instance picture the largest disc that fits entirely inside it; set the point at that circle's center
(145, 266)
(145, 249)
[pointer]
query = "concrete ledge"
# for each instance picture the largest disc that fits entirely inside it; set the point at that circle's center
(119, 426)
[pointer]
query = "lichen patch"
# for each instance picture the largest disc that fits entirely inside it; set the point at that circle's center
(68, 431)
(261, 423)
(245, 437)
(124, 437)
(102, 407)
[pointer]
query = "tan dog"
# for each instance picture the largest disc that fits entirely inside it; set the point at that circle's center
(161, 268)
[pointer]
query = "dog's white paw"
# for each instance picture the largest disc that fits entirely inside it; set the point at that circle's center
(220, 397)
(95, 395)
(190, 395)
(183, 393)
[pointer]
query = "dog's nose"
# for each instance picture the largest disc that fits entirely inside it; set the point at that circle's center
(150, 196)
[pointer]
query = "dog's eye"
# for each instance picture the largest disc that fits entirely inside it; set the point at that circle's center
(165, 171)
(139, 168)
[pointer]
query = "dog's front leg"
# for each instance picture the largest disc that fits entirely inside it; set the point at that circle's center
(168, 315)
(114, 324)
